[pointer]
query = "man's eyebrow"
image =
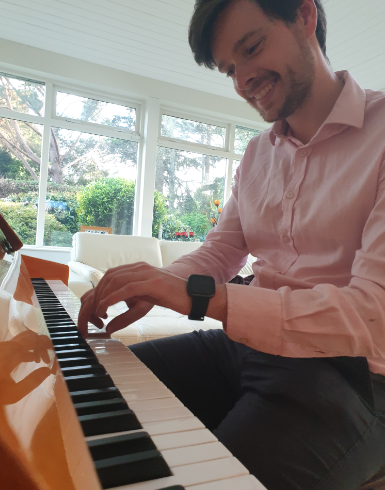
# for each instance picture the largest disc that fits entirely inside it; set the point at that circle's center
(240, 43)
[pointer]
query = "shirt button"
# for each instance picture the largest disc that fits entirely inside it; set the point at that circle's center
(290, 195)
(286, 239)
(303, 153)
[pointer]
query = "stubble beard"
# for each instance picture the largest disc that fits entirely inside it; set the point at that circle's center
(300, 84)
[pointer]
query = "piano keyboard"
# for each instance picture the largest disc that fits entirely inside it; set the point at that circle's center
(140, 436)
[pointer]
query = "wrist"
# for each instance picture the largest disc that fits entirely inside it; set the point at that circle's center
(218, 304)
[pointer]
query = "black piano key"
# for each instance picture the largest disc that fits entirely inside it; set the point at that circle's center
(111, 447)
(94, 395)
(78, 361)
(104, 423)
(88, 382)
(100, 406)
(174, 487)
(81, 370)
(132, 468)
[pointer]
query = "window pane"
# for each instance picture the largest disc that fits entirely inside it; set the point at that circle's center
(95, 111)
(91, 182)
(186, 186)
(242, 138)
(22, 95)
(192, 131)
(20, 157)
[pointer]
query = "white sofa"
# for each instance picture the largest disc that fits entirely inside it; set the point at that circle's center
(92, 255)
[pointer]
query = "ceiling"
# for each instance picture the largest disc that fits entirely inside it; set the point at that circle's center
(149, 37)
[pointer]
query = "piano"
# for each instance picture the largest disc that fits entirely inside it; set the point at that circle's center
(86, 415)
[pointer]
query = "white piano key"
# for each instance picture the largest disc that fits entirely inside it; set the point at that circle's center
(134, 378)
(147, 395)
(195, 454)
(183, 439)
(127, 369)
(246, 482)
(128, 387)
(170, 426)
(162, 414)
(195, 474)
(155, 404)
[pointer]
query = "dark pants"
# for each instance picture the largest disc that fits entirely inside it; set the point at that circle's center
(296, 424)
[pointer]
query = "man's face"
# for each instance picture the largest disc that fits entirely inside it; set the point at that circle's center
(271, 63)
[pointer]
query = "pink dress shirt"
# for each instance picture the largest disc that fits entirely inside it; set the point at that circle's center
(314, 215)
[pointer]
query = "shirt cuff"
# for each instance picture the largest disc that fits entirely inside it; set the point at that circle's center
(254, 317)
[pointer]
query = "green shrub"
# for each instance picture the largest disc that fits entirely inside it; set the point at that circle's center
(23, 219)
(199, 224)
(108, 202)
(171, 225)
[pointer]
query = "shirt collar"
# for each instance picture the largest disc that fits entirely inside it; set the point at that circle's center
(348, 110)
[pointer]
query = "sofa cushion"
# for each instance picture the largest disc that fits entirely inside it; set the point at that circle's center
(87, 272)
(105, 251)
(173, 250)
(77, 284)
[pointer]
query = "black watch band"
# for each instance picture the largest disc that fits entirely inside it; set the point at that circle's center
(199, 307)
(200, 288)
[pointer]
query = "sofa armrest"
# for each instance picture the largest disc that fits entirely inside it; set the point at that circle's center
(86, 271)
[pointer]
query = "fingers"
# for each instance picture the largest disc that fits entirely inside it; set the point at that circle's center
(136, 311)
(142, 290)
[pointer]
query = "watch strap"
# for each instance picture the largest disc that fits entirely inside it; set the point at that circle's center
(199, 307)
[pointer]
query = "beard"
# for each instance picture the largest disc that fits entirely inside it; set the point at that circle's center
(299, 82)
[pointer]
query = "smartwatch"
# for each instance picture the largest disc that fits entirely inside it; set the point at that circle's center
(200, 289)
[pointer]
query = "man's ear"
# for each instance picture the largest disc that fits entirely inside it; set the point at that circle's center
(307, 15)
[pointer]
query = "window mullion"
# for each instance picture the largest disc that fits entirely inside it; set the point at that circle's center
(229, 172)
(49, 101)
(146, 177)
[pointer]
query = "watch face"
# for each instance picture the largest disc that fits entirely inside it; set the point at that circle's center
(201, 285)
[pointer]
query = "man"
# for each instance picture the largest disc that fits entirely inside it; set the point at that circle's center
(294, 384)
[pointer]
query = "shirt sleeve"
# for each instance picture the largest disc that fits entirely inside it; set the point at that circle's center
(224, 252)
(324, 321)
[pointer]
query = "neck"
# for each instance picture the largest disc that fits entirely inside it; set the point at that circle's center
(307, 120)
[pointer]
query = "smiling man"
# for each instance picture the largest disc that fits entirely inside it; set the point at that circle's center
(294, 384)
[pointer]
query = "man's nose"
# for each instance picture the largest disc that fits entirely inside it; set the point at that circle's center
(243, 79)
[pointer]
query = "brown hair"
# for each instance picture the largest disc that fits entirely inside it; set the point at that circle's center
(207, 11)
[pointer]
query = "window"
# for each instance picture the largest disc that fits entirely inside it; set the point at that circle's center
(95, 111)
(22, 95)
(71, 157)
(90, 161)
(187, 184)
(91, 181)
(242, 138)
(20, 162)
(193, 131)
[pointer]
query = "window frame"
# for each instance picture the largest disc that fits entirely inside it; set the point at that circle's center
(146, 143)
(134, 134)
(194, 118)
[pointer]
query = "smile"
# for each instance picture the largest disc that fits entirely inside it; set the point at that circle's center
(265, 91)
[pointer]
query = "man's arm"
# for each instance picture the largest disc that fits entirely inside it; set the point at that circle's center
(142, 286)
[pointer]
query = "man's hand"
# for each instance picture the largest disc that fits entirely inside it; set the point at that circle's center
(141, 286)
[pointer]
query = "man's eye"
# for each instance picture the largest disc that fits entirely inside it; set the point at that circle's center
(252, 49)
(230, 73)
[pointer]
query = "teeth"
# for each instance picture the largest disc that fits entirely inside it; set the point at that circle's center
(265, 91)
